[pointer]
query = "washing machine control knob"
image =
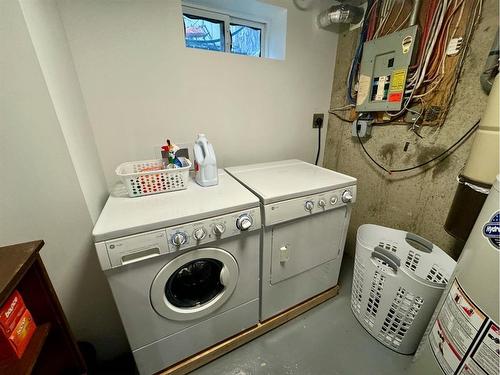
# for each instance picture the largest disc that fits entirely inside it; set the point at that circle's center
(219, 229)
(179, 238)
(244, 222)
(346, 196)
(322, 203)
(333, 200)
(199, 234)
(309, 205)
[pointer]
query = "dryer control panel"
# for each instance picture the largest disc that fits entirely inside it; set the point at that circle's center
(131, 249)
(280, 212)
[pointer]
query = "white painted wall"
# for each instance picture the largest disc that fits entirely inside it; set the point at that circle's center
(54, 56)
(142, 85)
(40, 193)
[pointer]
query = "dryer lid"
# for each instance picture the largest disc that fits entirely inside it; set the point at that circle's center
(287, 179)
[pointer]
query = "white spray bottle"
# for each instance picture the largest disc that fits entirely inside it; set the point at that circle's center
(205, 164)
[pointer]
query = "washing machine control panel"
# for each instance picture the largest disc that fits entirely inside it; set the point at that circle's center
(205, 231)
(131, 249)
(291, 209)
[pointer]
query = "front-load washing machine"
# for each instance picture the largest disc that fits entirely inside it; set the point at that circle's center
(183, 268)
(306, 211)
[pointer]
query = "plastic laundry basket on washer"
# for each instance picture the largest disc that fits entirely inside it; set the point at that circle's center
(397, 282)
(150, 177)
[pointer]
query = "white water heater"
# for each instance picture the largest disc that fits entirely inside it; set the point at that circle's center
(463, 335)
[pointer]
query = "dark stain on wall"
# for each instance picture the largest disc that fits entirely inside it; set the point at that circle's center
(427, 153)
(387, 152)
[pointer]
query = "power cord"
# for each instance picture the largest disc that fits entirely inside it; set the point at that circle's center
(340, 117)
(446, 152)
(319, 145)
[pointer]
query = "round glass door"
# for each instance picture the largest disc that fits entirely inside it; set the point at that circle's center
(194, 284)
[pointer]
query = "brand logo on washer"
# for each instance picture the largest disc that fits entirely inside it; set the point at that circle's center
(491, 230)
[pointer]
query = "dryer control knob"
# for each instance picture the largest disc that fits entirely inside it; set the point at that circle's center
(199, 234)
(333, 200)
(322, 203)
(244, 222)
(179, 238)
(346, 196)
(309, 205)
(219, 229)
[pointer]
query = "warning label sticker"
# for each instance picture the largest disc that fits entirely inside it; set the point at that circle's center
(485, 358)
(363, 89)
(395, 96)
(463, 337)
(398, 80)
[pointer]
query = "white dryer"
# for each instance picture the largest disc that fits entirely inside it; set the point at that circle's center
(306, 211)
(183, 268)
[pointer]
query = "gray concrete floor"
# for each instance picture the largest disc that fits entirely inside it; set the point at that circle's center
(326, 340)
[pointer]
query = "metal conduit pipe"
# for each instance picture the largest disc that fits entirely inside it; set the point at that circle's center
(415, 12)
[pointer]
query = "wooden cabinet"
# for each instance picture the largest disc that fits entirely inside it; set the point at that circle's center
(52, 349)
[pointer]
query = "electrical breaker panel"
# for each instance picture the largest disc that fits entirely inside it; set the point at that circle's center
(383, 70)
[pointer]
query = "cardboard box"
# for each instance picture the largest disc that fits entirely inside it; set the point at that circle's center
(16, 328)
(10, 313)
(21, 336)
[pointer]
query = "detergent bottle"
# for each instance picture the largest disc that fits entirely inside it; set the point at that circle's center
(205, 164)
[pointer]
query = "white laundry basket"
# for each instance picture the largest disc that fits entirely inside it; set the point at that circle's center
(149, 177)
(397, 282)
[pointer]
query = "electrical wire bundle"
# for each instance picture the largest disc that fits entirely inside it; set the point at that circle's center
(353, 71)
(441, 25)
(442, 22)
(375, 24)
(430, 72)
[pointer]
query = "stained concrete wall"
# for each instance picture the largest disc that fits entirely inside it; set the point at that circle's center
(415, 201)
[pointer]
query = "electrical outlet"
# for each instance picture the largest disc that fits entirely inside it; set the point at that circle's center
(362, 127)
(318, 119)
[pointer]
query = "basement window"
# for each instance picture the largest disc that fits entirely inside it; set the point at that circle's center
(215, 31)
(204, 33)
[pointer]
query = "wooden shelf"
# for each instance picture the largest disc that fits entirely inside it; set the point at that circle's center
(25, 364)
(52, 349)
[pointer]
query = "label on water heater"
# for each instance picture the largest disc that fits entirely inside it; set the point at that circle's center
(491, 230)
(464, 340)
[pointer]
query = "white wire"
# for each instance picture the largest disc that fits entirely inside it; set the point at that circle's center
(389, 30)
(444, 7)
(436, 82)
(417, 77)
(404, 22)
(385, 16)
(343, 107)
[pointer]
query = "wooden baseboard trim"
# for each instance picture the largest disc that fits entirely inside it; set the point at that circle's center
(218, 350)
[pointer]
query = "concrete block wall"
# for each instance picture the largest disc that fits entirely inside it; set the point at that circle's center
(416, 201)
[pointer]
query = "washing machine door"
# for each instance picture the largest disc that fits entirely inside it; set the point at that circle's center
(194, 284)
